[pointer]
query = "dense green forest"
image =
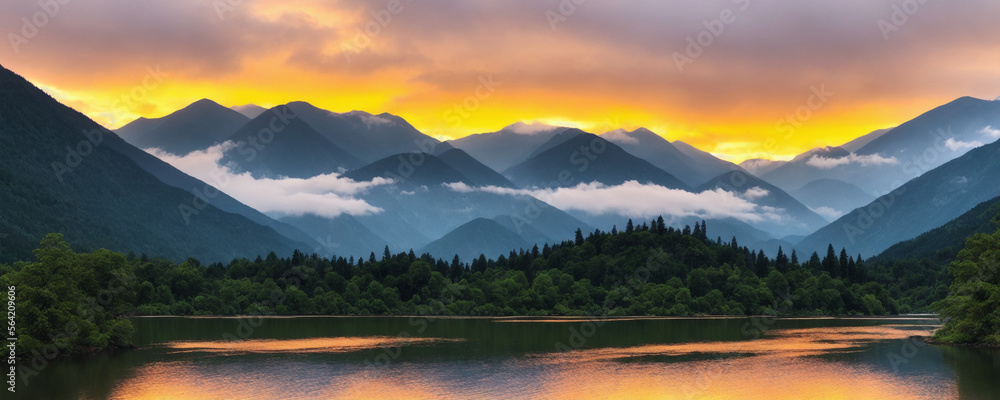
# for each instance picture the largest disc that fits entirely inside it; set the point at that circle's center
(649, 269)
(972, 309)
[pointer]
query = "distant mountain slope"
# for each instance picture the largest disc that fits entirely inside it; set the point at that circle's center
(411, 171)
(59, 179)
(342, 236)
(760, 166)
(479, 236)
(365, 136)
(279, 143)
(833, 194)
(903, 153)
(419, 207)
(166, 173)
(195, 127)
(250, 111)
(507, 147)
(943, 243)
(797, 219)
(651, 147)
(707, 163)
(857, 144)
(588, 158)
(478, 174)
(918, 206)
(799, 171)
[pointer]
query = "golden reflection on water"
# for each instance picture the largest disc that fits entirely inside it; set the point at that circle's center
(299, 346)
(777, 366)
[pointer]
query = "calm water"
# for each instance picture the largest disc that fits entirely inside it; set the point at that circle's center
(413, 358)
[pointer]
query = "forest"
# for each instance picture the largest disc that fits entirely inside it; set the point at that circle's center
(81, 302)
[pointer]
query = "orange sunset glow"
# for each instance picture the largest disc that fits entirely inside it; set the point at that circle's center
(727, 76)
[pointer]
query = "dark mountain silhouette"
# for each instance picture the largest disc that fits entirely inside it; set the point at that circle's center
(279, 143)
(195, 127)
(507, 147)
(651, 147)
(587, 158)
(61, 173)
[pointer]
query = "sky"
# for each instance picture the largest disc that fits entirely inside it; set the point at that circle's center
(738, 78)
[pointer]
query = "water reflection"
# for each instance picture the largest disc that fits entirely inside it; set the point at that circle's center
(367, 358)
(299, 346)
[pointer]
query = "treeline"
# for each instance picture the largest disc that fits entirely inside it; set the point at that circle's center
(972, 308)
(649, 269)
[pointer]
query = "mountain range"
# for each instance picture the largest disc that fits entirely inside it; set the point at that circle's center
(468, 196)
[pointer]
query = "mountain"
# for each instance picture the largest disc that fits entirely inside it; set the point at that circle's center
(833, 196)
(423, 204)
(250, 111)
(365, 136)
(411, 171)
(507, 147)
(903, 153)
(857, 144)
(761, 166)
(943, 243)
(651, 147)
(195, 127)
(61, 173)
(478, 174)
(707, 163)
(166, 173)
(279, 143)
(479, 236)
(922, 204)
(342, 236)
(796, 218)
(587, 158)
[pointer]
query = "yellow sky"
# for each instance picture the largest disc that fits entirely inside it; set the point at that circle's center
(453, 69)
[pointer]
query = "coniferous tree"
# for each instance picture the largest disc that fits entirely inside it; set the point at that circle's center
(579, 237)
(795, 258)
(628, 227)
(614, 230)
(661, 227)
(843, 262)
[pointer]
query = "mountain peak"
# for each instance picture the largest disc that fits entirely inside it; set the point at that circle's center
(528, 128)
(249, 110)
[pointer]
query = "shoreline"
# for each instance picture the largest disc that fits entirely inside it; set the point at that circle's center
(563, 318)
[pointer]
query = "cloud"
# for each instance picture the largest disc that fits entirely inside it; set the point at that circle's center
(328, 195)
(620, 136)
(370, 120)
(829, 213)
(755, 193)
(863, 160)
(991, 132)
(643, 200)
(956, 145)
(522, 128)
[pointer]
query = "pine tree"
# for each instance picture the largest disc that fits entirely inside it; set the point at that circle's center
(831, 263)
(795, 258)
(843, 262)
(628, 227)
(385, 254)
(661, 227)
(579, 237)
(614, 230)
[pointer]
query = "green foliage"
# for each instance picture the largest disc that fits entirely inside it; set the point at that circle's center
(972, 309)
(642, 271)
(69, 303)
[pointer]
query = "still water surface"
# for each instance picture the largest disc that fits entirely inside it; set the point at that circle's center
(417, 358)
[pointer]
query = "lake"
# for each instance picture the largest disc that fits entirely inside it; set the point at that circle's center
(569, 358)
